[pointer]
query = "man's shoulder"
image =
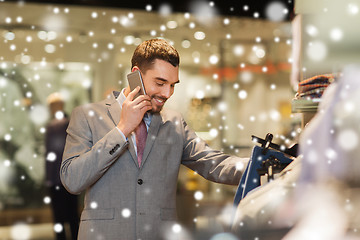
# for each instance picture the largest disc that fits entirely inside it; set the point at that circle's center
(90, 107)
(110, 99)
(170, 114)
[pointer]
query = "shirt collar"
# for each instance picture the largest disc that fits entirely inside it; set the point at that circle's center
(121, 98)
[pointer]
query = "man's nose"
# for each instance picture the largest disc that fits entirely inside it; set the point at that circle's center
(166, 92)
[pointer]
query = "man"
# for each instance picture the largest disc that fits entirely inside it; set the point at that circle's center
(127, 198)
(64, 205)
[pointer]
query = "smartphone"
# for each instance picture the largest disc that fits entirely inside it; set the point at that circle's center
(135, 80)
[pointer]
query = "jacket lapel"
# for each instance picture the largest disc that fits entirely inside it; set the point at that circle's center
(115, 111)
(132, 150)
(114, 107)
(152, 133)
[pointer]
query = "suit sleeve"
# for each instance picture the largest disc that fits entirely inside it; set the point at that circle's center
(84, 162)
(212, 164)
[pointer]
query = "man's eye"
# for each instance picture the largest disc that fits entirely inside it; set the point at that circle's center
(160, 84)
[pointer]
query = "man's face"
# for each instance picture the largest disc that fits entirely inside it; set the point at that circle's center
(159, 82)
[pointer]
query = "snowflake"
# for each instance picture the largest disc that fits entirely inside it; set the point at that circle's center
(126, 213)
(198, 195)
(58, 227)
(47, 200)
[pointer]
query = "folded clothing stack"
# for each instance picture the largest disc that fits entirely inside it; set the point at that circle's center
(315, 86)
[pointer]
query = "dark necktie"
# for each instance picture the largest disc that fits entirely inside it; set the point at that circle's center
(140, 134)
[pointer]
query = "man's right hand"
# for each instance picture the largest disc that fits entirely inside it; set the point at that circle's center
(133, 111)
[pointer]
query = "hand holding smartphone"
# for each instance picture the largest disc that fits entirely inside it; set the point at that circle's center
(135, 80)
(133, 110)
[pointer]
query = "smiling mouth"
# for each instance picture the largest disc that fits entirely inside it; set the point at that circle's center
(159, 101)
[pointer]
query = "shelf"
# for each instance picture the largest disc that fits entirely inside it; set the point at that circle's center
(305, 105)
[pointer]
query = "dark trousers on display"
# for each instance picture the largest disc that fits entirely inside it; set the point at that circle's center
(65, 210)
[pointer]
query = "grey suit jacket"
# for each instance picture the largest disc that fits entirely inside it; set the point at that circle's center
(123, 200)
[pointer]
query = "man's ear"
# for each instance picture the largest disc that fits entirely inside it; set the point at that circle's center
(135, 68)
